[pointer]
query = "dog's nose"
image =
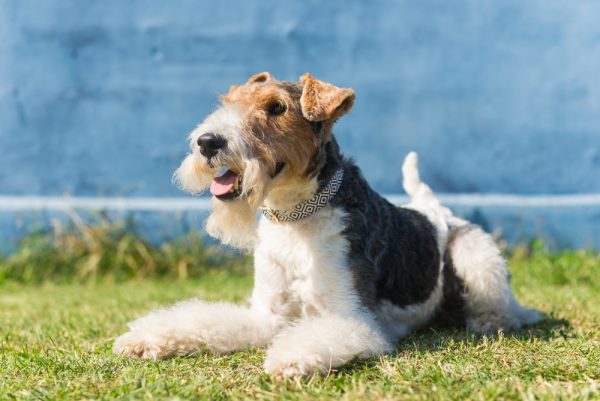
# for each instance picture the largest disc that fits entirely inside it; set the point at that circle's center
(210, 144)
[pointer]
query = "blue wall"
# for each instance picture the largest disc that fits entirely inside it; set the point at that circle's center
(97, 97)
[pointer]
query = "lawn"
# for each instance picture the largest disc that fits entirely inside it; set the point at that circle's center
(55, 343)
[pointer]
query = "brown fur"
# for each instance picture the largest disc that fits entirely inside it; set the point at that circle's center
(322, 101)
(288, 137)
(270, 139)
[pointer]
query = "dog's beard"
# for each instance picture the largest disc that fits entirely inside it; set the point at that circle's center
(192, 176)
(233, 222)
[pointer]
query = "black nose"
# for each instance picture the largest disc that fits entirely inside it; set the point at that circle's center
(210, 144)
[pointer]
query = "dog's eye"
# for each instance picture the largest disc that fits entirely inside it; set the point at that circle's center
(276, 108)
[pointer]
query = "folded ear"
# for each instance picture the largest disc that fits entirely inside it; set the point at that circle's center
(321, 101)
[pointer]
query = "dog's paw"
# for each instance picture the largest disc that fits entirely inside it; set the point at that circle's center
(302, 365)
(132, 345)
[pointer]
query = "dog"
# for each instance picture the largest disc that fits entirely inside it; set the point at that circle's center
(339, 272)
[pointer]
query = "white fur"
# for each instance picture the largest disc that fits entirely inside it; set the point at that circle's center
(188, 176)
(309, 258)
(192, 325)
(304, 303)
(233, 223)
(316, 345)
(491, 305)
(400, 321)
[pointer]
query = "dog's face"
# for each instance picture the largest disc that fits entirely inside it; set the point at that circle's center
(265, 133)
(266, 139)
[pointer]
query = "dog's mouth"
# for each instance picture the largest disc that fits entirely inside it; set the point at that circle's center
(227, 185)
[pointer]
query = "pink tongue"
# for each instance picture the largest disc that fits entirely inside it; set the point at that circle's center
(224, 184)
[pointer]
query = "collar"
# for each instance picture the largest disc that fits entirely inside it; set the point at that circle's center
(309, 207)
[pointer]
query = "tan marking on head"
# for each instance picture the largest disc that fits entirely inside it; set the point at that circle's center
(272, 138)
(322, 101)
(277, 127)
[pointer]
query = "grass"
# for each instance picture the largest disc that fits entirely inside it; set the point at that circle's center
(106, 251)
(56, 332)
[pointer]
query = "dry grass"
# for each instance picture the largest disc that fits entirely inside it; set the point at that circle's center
(110, 252)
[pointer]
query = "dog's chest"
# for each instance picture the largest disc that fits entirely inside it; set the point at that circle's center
(311, 258)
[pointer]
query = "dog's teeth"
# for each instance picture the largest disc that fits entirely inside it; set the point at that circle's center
(221, 171)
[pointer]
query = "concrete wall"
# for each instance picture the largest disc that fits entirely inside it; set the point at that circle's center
(97, 97)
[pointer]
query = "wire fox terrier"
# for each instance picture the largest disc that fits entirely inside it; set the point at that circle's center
(339, 272)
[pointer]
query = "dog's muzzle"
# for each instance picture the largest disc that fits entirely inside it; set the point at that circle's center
(210, 144)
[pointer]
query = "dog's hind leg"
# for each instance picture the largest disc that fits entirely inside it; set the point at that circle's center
(489, 302)
(476, 261)
(191, 326)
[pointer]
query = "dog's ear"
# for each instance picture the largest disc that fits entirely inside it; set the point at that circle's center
(260, 77)
(321, 101)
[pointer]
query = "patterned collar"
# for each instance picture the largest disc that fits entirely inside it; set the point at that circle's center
(307, 208)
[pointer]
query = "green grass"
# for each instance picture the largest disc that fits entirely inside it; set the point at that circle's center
(56, 337)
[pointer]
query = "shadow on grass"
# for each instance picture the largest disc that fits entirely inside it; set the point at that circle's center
(438, 337)
(433, 339)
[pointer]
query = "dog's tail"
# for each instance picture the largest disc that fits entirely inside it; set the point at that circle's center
(414, 187)
(420, 193)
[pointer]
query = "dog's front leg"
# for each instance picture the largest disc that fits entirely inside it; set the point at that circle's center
(333, 326)
(317, 345)
(190, 326)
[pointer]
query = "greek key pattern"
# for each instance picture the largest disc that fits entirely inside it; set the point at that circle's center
(307, 208)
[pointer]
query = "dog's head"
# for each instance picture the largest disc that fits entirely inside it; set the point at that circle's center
(264, 144)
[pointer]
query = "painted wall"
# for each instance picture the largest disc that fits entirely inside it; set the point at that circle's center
(97, 97)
